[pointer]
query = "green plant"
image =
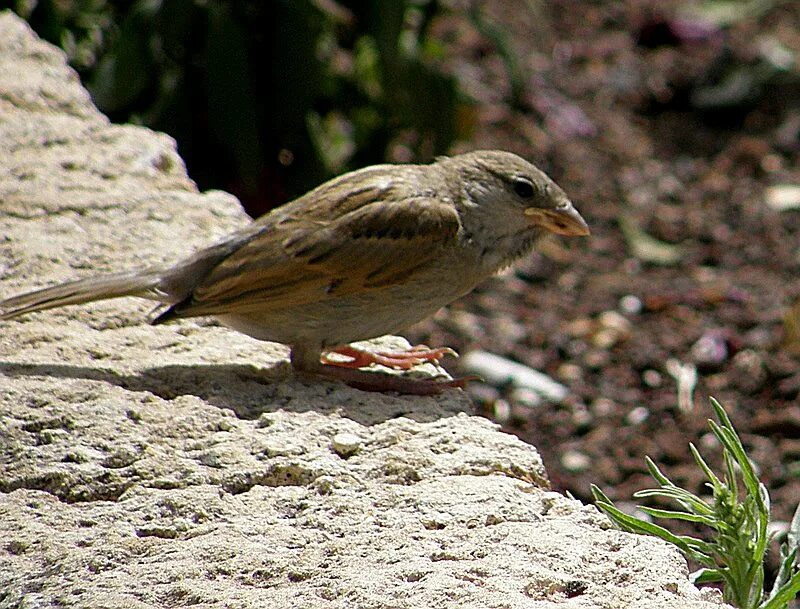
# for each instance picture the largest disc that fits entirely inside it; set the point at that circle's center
(735, 554)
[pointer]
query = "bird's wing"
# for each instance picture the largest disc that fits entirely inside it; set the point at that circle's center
(298, 257)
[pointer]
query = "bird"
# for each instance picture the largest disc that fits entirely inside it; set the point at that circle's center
(365, 254)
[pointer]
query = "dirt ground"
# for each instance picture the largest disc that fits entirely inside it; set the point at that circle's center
(661, 126)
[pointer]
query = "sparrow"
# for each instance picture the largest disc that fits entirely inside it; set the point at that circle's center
(365, 254)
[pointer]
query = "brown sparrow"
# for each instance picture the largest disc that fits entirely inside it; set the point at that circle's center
(365, 254)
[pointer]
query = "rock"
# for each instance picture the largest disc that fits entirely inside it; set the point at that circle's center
(346, 444)
(631, 304)
(783, 197)
(575, 461)
(637, 416)
(501, 371)
(183, 464)
(710, 351)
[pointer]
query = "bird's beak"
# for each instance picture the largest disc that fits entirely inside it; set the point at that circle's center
(563, 220)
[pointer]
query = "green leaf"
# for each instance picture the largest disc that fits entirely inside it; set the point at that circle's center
(707, 576)
(785, 595)
(784, 575)
(735, 555)
(712, 477)
(659, 513)
(656, 473)
(599, 495)
(689, 501)
(694, 548)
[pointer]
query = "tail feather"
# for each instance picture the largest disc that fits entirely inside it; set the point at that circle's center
(143, 284)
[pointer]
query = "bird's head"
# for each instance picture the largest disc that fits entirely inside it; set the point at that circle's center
(505, 195)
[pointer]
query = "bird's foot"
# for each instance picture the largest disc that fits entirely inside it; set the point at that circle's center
(399, 360)
(309, 362)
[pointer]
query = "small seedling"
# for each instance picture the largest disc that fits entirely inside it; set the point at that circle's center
(734, 556)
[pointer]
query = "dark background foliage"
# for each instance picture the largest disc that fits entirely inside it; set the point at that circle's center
(266, 99)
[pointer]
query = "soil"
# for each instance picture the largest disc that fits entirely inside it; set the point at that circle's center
(633, 108)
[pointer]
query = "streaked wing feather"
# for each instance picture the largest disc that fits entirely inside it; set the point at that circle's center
(296, 260)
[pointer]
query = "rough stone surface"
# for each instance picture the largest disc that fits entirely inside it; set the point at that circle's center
(183, 465)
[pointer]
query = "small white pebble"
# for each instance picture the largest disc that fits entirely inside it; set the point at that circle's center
(637, 416)
(631, 304)
(575, 461)
(569, 372)
(579, 327)
(614, 321)
(346, 444)
(581, 416)
(709, 441)
(710, 350)
(605, 338)
(771, 163)
(603, 407)
(782, 197)
(502, 371)
(652, 378)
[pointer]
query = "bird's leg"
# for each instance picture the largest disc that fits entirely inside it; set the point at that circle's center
(308, 361)
(401, 360)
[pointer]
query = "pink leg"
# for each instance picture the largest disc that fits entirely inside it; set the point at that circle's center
(400, 360)
(308, 361)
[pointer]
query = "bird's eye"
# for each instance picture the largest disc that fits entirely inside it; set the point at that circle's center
(523, 187)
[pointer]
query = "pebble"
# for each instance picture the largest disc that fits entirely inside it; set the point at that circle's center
(579, 327)
(708, 441)
(605, 338)
(508, 330)
(710, 350)
(500, 371)
(631, 304)
(569, 372)
(596, 359)
(637, 416)
(759, 337)
(603, 407)
(614, 321)
(751, 370)
(783, 197)
(575, 461)
(581, 417)
(614, 327)
(652, 378)
(346, 444)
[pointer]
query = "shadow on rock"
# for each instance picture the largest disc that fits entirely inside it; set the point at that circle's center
(249, 391)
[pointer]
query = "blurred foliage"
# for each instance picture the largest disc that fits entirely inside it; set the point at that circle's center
(266, 99)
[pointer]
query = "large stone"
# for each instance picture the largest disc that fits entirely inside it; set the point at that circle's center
(184, 465)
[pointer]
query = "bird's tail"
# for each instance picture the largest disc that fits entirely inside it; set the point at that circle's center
(144, 284)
